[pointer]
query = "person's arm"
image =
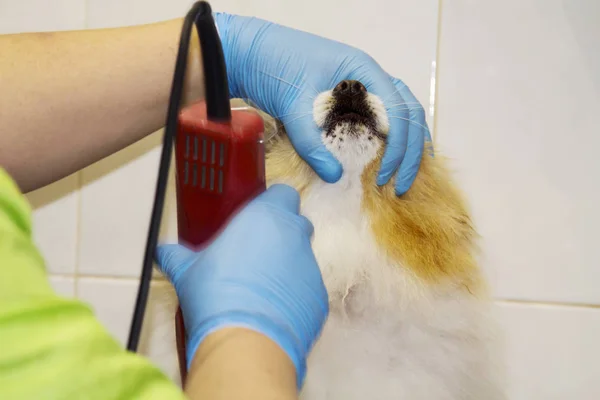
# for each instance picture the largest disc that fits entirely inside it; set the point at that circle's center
(68, 99)
(238, 363)
(72, 98)
(53, 347)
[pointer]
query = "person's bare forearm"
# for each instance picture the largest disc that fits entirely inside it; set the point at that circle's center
(69, 99)
(237, 363)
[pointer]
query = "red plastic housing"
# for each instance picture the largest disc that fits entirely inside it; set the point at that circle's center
(219, 168)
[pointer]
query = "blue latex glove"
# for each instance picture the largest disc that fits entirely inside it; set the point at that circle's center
(281, 70)
(259, 273)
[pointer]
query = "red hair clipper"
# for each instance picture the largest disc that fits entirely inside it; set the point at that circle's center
(219, 159)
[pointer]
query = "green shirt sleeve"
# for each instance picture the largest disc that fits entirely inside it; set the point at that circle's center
(52, 347)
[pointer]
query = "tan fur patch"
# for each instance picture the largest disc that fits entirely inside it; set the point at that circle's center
(428, 229)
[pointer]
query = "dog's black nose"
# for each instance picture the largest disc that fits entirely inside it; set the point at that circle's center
(349, 88)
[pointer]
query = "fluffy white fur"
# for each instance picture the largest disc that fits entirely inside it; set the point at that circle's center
(388, 336)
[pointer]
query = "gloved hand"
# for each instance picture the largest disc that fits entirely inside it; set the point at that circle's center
(281, 70)
(259, 273)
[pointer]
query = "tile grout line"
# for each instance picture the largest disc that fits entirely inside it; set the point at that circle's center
(494, 300)
(435, 75)
(547, 303)
(85, 14)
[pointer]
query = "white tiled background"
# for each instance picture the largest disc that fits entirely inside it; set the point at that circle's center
(516, 92)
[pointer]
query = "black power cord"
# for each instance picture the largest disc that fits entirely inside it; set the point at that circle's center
(217, 108)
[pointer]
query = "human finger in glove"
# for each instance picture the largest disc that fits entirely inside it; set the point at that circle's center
(282, 70)
(260, 273)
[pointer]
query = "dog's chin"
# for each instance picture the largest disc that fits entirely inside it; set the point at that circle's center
(352, 131)
(354, 144)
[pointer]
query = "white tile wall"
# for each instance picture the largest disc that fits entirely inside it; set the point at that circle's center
(553, 351)
(518, 86)
(113, 13)
(39, 15)
(519, 92)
